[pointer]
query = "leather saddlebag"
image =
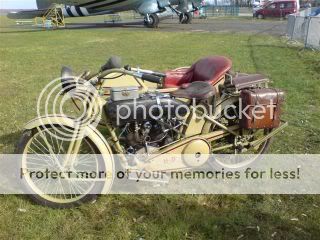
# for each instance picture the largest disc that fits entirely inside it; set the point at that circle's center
(261, 108)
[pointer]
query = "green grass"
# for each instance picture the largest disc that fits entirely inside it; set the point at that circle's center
(29, 60)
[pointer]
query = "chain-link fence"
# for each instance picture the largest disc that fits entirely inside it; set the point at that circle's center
(207, 11)
(305, 30)
(214, 11)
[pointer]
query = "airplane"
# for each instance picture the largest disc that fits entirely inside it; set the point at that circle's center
(150, 9)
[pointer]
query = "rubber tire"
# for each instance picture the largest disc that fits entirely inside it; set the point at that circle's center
(264, 150)
(154, 21)
(24, 139)
(187, 19)
(260, 16)
(217, 165)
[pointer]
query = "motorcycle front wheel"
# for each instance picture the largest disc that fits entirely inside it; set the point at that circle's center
(33, 144)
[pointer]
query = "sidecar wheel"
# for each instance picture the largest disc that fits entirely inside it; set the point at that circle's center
(50, 200)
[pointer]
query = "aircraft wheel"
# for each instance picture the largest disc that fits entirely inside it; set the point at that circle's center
(185, 18)
(153, 21)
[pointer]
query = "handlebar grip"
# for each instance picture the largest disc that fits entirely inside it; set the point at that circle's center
(151, 78)
(159, 74)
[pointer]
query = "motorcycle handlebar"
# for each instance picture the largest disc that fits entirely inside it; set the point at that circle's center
(151, 78)
(143, 71)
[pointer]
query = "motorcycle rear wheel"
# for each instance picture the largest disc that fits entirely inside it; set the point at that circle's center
(231, 139)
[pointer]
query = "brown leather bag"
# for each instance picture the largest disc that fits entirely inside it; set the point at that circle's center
(261, 108)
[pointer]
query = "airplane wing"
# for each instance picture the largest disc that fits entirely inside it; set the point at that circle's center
(27, 14)
(67, 12)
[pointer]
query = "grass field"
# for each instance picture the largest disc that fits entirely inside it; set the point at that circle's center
(29, 60)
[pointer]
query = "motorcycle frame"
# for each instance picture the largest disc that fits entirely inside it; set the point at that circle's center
(193, 129)
(197, 127)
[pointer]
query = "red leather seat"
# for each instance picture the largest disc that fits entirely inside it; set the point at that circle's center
(209, 69)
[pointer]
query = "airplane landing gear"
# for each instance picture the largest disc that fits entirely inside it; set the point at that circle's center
(151, 20)
(185, 18)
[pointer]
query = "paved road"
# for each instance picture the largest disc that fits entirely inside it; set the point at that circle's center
(235, 25)
(273, 27)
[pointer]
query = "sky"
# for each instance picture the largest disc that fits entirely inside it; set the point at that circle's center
(18, 4)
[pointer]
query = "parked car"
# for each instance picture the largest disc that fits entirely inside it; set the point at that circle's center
(277, 9)
(315, 13)
(257, 3)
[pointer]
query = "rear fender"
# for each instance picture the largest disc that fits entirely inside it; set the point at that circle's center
(243, 81)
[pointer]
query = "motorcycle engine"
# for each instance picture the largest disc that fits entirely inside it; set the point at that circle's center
(147, 121)
(147, 136)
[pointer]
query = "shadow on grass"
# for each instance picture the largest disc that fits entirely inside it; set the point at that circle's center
(251, 45)
(8, 142)
(20, 31)
(214, 217)
(312, 64)
(76, 26)
(168, 217)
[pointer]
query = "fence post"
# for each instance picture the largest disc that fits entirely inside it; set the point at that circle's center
(306, 38)
(293, 27)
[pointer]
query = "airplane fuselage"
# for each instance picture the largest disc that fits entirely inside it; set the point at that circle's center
(76, 8)
(147, 8)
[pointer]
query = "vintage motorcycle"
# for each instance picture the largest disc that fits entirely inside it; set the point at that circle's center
(198, 122)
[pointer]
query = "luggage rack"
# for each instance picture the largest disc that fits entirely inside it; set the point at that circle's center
(243, 81)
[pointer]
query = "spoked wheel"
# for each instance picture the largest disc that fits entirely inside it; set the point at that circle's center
(232, 145)
(42, 151)
(253, 152)
(251, 135)
(153, 21)
(185, 18)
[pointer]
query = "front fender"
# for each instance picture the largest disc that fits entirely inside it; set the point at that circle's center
(94, 135)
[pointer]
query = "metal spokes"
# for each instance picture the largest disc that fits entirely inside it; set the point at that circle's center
(45, 154)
